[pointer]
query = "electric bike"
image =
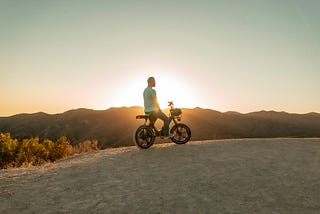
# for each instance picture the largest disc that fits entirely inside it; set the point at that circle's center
(145, 135)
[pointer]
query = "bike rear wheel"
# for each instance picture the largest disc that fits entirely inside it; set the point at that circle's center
(181, 133)
(144, 137)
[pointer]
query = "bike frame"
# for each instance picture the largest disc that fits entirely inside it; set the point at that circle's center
(150, 123)
(175, 119)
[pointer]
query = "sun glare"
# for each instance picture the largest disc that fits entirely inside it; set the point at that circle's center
(169, 87)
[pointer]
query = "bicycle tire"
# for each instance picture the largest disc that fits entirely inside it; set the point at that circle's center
(144, 137)
(181, 133)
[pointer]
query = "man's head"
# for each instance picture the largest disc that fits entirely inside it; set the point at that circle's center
(151, 82)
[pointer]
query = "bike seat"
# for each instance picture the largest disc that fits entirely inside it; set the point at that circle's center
(145, 116)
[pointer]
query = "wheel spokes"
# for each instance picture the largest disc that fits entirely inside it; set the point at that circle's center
(181, 133)
(144, 137)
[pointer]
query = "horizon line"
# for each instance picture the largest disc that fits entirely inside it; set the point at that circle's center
(118, 107)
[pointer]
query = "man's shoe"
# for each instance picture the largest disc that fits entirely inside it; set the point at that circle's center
(169, 136)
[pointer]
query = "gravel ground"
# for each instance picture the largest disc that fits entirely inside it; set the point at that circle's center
(221, 176)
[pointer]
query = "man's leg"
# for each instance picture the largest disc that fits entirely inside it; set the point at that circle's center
(165, 119)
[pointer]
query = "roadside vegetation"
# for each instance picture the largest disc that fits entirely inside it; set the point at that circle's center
(33, 152)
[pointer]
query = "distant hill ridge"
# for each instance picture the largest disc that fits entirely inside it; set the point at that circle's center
(114, 127)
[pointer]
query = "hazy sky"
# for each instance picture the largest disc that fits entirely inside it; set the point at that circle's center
(227, 55)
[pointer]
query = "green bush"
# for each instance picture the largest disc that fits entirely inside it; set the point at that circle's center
(58, 149)
(14, 153)
(48, 150)
(30, 152)
(8, 150)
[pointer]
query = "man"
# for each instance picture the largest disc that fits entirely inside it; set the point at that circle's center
(151, 107)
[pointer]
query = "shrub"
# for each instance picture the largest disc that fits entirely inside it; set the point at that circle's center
(48, 150)
(31, 151)
(8, 150)
(60, 148)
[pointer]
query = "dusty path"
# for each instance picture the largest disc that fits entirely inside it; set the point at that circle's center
(228, 176)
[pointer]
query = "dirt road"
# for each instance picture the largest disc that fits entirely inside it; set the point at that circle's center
(227, 176)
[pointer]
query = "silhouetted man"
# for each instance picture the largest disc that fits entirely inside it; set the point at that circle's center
(151, 106)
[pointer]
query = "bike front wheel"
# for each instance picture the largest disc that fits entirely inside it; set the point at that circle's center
(144, 137)
(181, 133)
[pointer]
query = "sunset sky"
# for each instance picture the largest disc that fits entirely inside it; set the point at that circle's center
(226, 55)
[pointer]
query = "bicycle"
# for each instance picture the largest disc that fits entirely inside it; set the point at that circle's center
(145, 135)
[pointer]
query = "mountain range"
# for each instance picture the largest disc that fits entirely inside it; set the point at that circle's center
(114, 127)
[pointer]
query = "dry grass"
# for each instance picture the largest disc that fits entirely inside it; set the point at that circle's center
(86, 146)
